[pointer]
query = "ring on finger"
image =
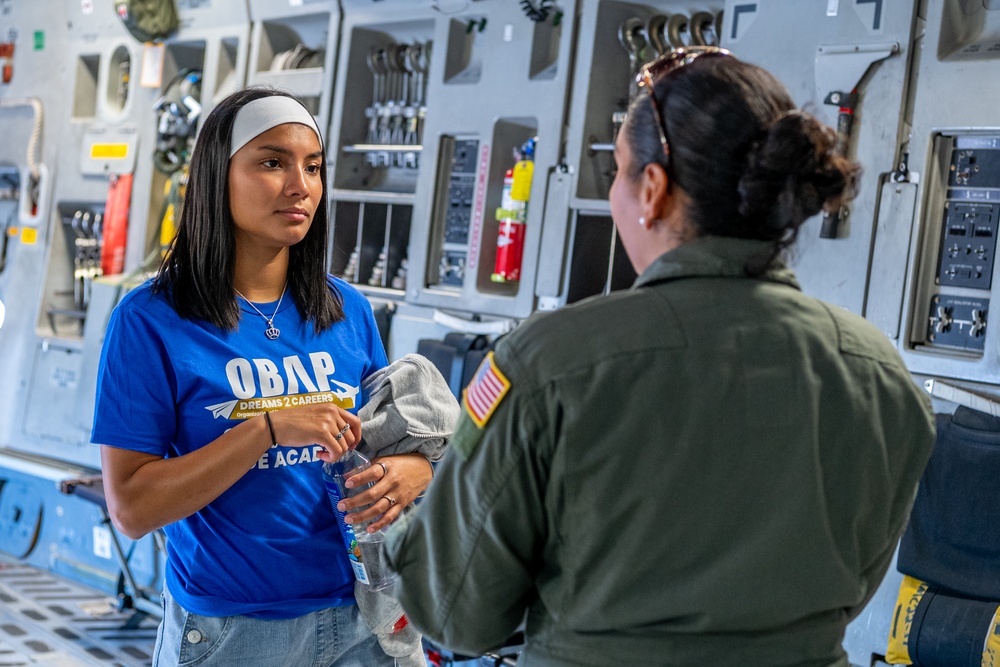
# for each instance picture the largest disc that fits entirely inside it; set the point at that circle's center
(347, 427)
(392, 502)
(385, 470)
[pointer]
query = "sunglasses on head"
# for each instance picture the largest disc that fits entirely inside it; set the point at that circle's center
(668, 62)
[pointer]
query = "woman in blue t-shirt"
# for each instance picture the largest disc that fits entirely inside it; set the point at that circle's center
(224, 384)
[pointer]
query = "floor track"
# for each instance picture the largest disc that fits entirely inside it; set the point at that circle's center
(48, 620)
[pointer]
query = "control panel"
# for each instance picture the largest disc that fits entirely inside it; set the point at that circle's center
(456, 208)
(968, 245)
(958, 322)
(958, 303)
(461, 190)
(971, 209)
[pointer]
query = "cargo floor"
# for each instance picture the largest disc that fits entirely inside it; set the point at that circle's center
(48, 620)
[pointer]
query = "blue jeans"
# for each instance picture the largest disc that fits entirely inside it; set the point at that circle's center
(330, 637)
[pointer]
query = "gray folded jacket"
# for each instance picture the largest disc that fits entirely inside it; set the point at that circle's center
(410, 409)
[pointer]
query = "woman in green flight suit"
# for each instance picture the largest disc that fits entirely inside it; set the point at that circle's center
(709, 468)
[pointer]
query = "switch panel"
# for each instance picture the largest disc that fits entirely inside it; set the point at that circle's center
(975, 163)
(461, 191)
(957, 322)
(971, 213)
(968, 244)
(452, 269)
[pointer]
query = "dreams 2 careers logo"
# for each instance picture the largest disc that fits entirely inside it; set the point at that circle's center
(260, 385)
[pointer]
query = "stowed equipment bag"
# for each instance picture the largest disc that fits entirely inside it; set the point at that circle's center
(148, 20)
(948, 610)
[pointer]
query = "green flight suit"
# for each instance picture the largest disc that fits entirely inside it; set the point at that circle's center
(706, 469)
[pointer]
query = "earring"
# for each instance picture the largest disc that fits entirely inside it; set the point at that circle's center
(642, 221)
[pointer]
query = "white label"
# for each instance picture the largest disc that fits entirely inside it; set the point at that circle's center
(87, 6)
(508, 32)
(360, 573)
(63, 378)
(832, 7)
(102, 542)
(152, 65)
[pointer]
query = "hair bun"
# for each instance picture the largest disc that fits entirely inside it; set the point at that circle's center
(793, 172)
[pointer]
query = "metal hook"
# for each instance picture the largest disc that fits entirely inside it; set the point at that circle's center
(675, 28)
(702, 23)
(77, 223)
(654, 32)
(632, 36)
(376, 60)
(414, 54)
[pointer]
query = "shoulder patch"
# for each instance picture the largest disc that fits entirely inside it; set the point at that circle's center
(488, 387)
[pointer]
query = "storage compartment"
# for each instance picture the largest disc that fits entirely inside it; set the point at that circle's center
(609, 85)
(74, 263)
(370, 241)
(970, 30)
(545, 41)
(85, 87)
(598, 263)
(182, 57)
(226, 75)
(509, 134)
(119, 80)
(291, 55)
(464, 56)
(628, 35)
(383, 113)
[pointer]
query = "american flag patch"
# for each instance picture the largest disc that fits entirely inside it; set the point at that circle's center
(484, 393)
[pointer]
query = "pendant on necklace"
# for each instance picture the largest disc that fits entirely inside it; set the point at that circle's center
(271, 331)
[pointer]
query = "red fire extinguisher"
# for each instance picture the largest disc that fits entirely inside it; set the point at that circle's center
(512, 215)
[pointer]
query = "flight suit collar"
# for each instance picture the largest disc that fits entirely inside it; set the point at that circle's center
(719, 256)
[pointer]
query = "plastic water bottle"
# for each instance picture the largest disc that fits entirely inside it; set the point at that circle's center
(363, 548)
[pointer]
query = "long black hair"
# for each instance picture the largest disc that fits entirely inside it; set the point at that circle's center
(197, 273)
(753, 165)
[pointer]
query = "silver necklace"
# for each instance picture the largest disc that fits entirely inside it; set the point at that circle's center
(271, 332)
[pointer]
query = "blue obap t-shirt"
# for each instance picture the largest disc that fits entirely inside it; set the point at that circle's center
(269, 546)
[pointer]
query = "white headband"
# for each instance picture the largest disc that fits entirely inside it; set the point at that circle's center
(262, 114)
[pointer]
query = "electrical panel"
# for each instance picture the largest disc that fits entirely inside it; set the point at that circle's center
(969, 243)
(456, 207)
(957, 322)
(972, 207)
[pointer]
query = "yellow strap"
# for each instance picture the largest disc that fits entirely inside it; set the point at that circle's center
(910, 592)
(991, 649)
